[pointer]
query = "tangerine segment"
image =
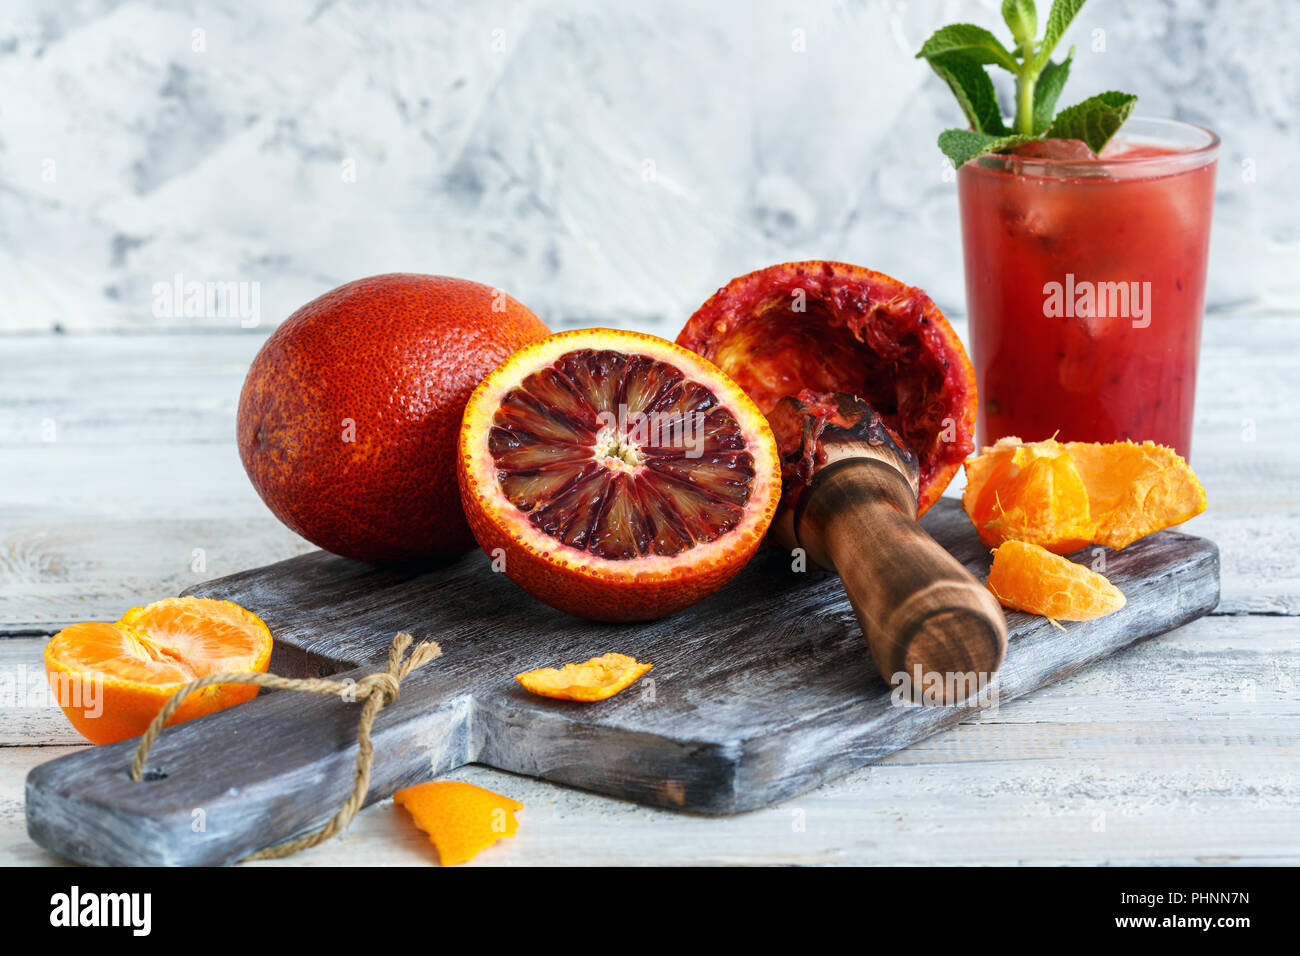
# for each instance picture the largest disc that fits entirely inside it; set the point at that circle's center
(1030, 578)
(1042, 499)
(598, 679)
(834, 327)
(621, 477)
(462, 820)
(111, 680)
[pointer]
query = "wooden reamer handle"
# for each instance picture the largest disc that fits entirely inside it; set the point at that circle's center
(921, 611)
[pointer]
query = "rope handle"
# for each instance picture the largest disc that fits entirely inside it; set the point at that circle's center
(378, 690)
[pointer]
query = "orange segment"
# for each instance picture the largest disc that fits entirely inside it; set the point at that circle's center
(1042, 499)
(111, 680)
(1030, 578)
(598, 679)
(462, 820)
(1066, 495)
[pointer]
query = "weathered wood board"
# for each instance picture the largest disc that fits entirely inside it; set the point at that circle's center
(759, 693)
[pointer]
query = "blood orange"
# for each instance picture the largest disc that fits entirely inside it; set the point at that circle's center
(833, 327)
(348, 418)
(619, 476)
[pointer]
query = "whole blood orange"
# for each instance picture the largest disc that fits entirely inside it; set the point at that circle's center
(617, 475)
(832, 327)
(111, 680)
(348, 418)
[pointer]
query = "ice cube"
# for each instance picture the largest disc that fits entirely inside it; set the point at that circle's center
(1074, 150)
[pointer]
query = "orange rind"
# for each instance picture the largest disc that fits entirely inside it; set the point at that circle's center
(598, 679)
(1065, 495)
(462, 820)
(111, 680)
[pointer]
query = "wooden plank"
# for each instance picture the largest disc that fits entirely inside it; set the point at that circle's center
(57, 573)
(1177, 792)
(759, 693)
(1216, 668)
(151, 418)
(1076, 752)
(106, 388)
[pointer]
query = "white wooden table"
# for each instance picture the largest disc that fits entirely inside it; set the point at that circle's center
(120, 484)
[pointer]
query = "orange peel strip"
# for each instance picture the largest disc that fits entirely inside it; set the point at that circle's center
(598, 679)
(462, 820)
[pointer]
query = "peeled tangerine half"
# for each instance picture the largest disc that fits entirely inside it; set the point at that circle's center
(1064, 495)
(615, 475)
(1030, 578)
(111, 680)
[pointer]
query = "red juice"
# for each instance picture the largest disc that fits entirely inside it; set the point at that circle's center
(1085, 285)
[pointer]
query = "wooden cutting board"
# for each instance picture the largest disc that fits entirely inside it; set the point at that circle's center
(757, 694)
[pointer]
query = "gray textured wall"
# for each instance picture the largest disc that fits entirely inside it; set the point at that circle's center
(604, 162)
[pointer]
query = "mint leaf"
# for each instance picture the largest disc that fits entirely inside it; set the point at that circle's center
(1058, 21)
(1095, 120)
(1048, 89)
(959, 54)
(1022, 17)
(975, 43)
(963, 145)
(970, 83)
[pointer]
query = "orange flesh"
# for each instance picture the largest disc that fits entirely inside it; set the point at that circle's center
(113, 679)
(621, 456)
(169, 642)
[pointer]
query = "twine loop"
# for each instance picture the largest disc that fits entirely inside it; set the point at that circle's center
(376, 690)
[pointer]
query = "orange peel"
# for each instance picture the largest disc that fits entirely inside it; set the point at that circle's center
(597, 679)
(462, 820)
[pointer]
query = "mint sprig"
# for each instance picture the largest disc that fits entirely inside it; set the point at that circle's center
(959, 54)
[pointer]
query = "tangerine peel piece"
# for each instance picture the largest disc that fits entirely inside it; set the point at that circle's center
(461, 819)
(597, 679)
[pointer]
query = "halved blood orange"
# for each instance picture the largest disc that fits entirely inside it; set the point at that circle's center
(618, 476)
(833, 327)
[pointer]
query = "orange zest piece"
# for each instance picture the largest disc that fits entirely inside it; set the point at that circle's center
(598, 679)
(1064, 495)
(462, 820)
(111, 680)
(1030, 578)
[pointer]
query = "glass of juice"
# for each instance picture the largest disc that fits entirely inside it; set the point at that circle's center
(1085, 285)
